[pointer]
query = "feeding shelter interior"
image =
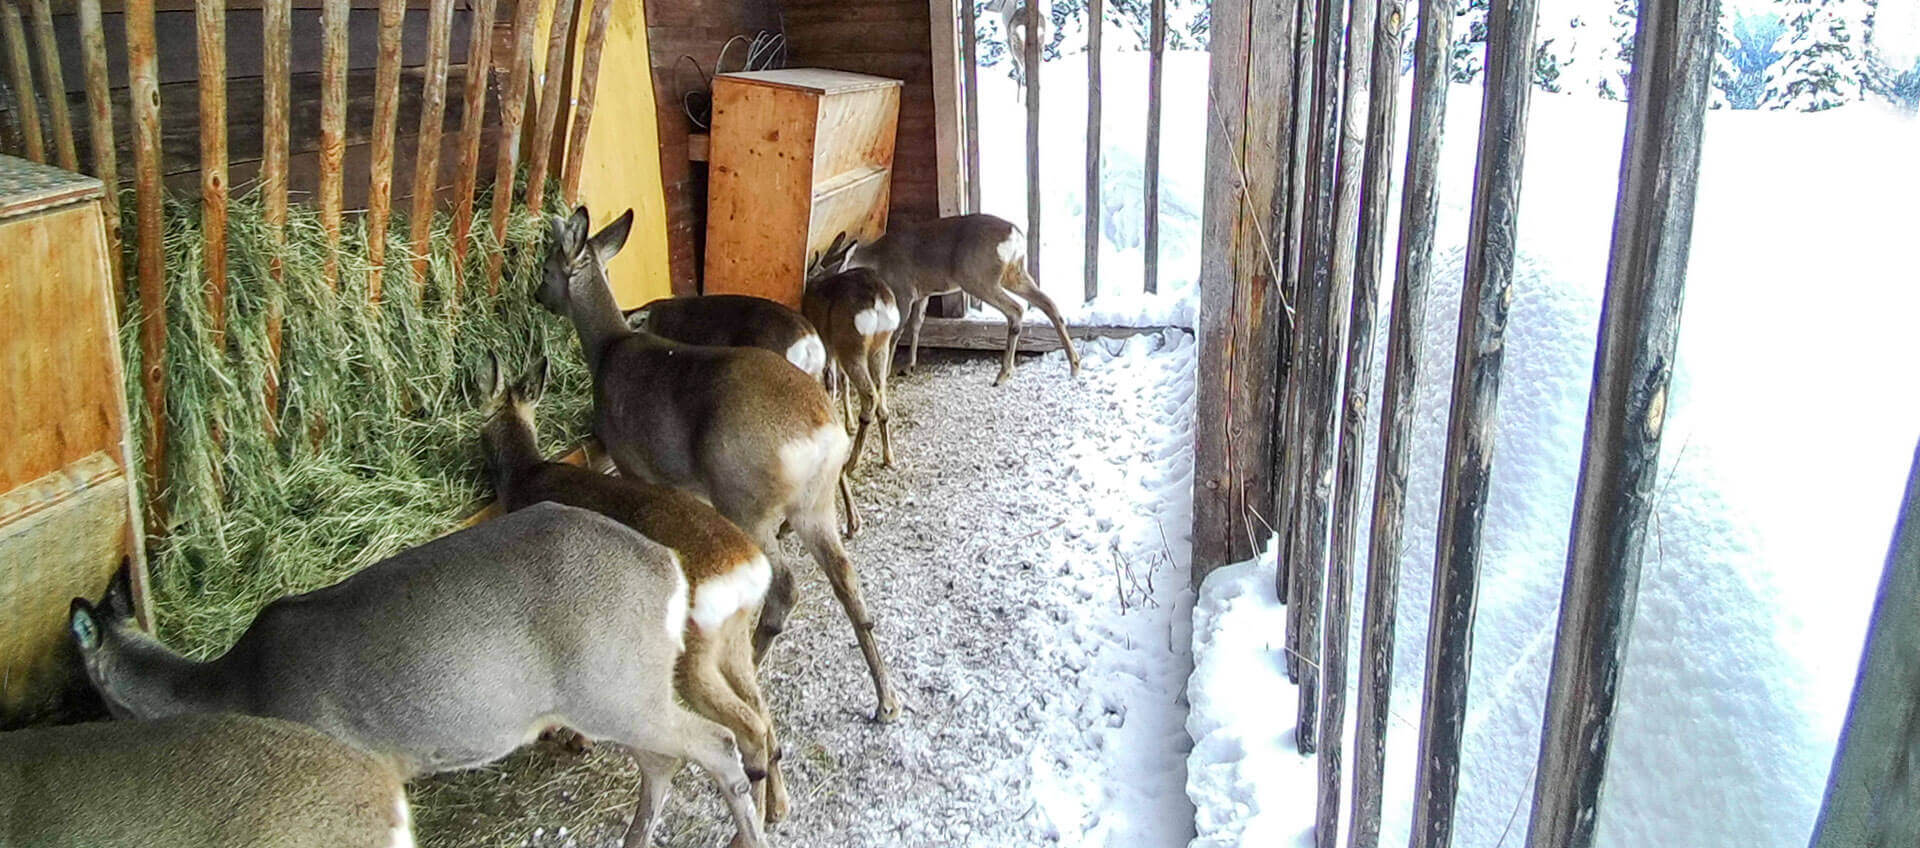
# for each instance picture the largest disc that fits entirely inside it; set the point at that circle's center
(244, 365)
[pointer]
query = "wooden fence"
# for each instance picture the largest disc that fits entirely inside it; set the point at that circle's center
(279, 60)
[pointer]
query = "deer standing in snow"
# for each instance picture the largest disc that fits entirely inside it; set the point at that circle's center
(981, 255)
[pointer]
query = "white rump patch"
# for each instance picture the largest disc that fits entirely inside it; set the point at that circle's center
(402, 834)
(722, 595)
(881, 316)
(806, 457)
(676, 622)
(1014, 248)
(808, 355)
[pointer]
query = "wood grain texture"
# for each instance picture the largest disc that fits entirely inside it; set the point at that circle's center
(106, 166)
(276, 57)
(386, 119)
(1470, 422)
(970, 65)
(145, 91)
(20, 76)
(1674, 52)
(1090, 285)
(433, 108)
(1286, 446)
(210, 17)
(333, 130)
(55, 82)
(472, 120)
(583, 106)
(513, 108)
(1405, 332)
(943, 22)
(1150, 208)
(551, 89)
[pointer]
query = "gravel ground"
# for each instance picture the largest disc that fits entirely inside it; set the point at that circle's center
(1021, 611)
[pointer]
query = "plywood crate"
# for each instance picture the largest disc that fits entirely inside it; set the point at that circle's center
(68, 510)
(797, 157)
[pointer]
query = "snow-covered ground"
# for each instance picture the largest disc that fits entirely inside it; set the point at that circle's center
(1791, 426)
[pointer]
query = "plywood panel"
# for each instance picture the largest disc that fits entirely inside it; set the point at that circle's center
(855, 132)
(857, 207)
(761, 189)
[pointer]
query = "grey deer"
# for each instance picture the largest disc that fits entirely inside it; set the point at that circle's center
(981, 255)
(196, 781)
(452, 654)
(738, 427)
(726, 572)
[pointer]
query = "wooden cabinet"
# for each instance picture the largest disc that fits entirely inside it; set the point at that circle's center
(797, 156)
(68, 511)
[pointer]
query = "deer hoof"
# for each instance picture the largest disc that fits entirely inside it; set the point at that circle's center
(887, 713)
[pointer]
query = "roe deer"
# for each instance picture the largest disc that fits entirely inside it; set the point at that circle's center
(196, 781)
(856, 315)
(738, 427)
(452, 654)
(734, 320)
(981, 255)
(726, 573)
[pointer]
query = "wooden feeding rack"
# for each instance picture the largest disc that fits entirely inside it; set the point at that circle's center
(797, 156)
(68, 512)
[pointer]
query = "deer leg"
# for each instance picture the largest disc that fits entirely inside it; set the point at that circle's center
(846, 497)
(815, 527)
(708, 690)
(1014, 310)
(656, 780)
(782, 591)
(674, 732)
(1022, 284)
(736, 663)
(917, 315)
(879, 365)
(861, 382)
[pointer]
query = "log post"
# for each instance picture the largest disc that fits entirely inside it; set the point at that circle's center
(333, 129)
(1639, 327)
(583, 110)
(276, 22)
(1156, 58)
(56, 83)
(426, 160)
(20, 76)
(552, 89)
(106, 165)
(513, 107)
(1418, 211)
(386, 119)
(1470, 423)
(1292, 218)
(210, 29)
(970, 48)
(1096, 15)
(472, 121)
(1036, 34)
(143, 77)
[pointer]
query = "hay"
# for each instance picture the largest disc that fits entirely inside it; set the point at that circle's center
(377, 447)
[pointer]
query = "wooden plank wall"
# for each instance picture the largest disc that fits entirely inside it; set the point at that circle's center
(174, 27)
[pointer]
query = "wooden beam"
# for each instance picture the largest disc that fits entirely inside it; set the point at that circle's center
(583, 112)
(1673, 51)
(386, 119)
(333, 130)
(1405, 331)
(1873, 792)
(433, 109)
(1470, 424)
(20, 76)
(1035, 337)
(276, 60)
(93, 48)
(1096, 17)
(552, 89)
(472, 120)
(1156, 58)
(143, 79)
(56, 85)
(1036, 34)
(970, 55)
(210, 28)
(513, 107)
(950, 162)
(1286, 473)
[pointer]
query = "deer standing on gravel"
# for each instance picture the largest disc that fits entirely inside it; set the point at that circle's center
(196, 781)
(726, 572)
(856, 315)
(738, 427)
(452, 654)
(734, 320)
(981, 255)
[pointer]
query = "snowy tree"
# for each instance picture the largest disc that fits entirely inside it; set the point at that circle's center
(1820, 62)
(1622, 22)
(1726, 75)
(1469, 46)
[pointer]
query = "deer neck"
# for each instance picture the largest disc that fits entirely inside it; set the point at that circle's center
(511, 453)
(145, 679)
(596, 317)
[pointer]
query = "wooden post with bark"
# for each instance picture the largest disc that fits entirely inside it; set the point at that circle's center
(1639, 328)
(472, 120)
(426, 160)
(513, 107)
(583, 108)
(386, 119)
(1096, 19)
(1150, 210)
(20, 76)
(56, 85)
(551, 89)
(143, 78)
(333, 129)
(106, 165)
(276, 63)
(1470, 426)
(210, 28)
(970, 57)
(1031, 78)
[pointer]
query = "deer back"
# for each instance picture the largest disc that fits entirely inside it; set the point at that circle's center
(961, 253)
(854, 310)
(218, 781)
(737, 320)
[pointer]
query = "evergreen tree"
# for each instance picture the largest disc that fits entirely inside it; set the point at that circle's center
(1469, 46)
(1726, 75)
(1618, 63)
(1820, 62)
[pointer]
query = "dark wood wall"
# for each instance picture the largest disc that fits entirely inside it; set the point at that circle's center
(889, 38)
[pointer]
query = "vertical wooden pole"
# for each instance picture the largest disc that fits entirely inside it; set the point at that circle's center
(1150, 247)
(106, 166)
(583, 109)
(276, 20)
(56, 83)
(949, 116)
(1673, 51)
(512, 109)
(210, 28)
(426, 160)
(1035, 35)
(1873, 791)
(1293, 246)
(472, 121)
(386, 118)
(20, 76)
(143, 77)
(971, 58)
(1096, 16)
(1470, 423)
(1418, 212)
(333, 129)
(551, 91)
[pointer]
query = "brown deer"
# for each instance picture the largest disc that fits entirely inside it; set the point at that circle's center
(726, 573)
(856, 314)
(738, 427)
(734, 320)
(196, 781)
(452, 654)
(981, 255)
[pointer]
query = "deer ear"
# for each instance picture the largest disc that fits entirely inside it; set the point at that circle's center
(84, 626)
(846, 259)
(606, 244)
(534, 383)
(486, 378)
(119, 598)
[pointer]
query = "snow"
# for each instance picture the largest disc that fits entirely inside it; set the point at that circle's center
(1785, 451)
